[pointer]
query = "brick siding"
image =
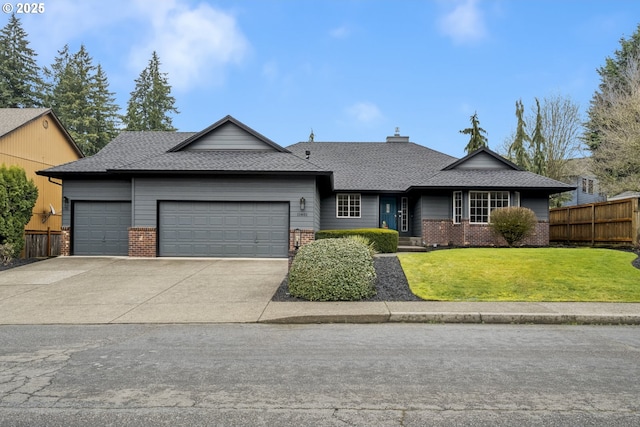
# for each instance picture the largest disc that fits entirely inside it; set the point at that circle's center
(446, 233)
(65, 241)
(142, 242)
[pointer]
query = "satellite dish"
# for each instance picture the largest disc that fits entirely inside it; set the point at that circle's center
(46, 215)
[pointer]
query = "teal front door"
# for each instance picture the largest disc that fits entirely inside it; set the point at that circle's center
(388, 213)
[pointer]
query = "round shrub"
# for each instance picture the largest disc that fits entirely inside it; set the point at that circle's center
(332, 270)
(514, 224)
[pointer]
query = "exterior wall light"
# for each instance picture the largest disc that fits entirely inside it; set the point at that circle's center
(296, 238)
(302, 203)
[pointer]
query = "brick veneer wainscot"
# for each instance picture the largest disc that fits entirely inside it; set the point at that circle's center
(65, 236)
(446, 233)
(142, 242)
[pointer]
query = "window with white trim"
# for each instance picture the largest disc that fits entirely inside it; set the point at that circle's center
(481, 203)
(348, 205)
(457, 207)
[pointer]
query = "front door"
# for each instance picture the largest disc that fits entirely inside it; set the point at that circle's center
(388, 213)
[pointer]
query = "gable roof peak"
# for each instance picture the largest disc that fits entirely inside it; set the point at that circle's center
(485, 151)
(228, 119)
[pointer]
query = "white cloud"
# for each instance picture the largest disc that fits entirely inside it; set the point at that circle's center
(465, 23)
(340, 32)
(364, 112)
(194, 44)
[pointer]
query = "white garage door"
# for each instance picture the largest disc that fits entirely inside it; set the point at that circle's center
(224, 229)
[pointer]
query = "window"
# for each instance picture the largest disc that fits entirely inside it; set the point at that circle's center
(457, 207)
(584, 185)
(404, 214)
(481, 203)
(348, 205)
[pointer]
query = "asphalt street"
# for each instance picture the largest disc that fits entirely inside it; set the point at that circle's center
(324, 375)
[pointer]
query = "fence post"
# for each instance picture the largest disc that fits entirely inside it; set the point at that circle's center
(593, 224)
(48, 242)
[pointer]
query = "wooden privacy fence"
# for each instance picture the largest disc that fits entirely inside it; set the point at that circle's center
(615, 222)
(39, 244)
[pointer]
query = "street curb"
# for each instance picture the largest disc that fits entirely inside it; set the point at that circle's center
(466, 318)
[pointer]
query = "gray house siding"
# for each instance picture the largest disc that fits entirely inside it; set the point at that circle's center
(436, 206)
(228, 137)
(148, 191)
(416, 217)
(93, 190)
(539, 205)
(483, 161)
(369, 210)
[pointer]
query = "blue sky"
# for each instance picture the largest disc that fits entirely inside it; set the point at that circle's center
(353, 70)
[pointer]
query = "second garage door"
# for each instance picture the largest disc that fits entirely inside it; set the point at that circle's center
(224, 229)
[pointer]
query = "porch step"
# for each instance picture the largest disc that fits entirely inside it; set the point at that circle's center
(409, 241)
(410, 244)
(411, 248)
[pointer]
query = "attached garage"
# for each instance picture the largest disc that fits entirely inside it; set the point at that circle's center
(223, 229)
(101, 228)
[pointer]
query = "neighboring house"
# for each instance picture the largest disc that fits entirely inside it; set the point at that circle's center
(230, 191)
(587, 189)
(34, 138)
(625, 195)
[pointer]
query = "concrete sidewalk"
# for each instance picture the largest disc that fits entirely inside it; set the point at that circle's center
(106, 290)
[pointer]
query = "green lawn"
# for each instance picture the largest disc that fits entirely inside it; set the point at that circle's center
(523, 274)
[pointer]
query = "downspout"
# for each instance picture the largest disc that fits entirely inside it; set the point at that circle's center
(53, 182)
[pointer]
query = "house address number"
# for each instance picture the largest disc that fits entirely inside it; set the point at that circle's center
(302, 214)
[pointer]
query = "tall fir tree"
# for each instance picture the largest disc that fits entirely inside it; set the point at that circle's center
(538, 145)
(518, 150)
(107, 117)
(81, 99)
(151, 103)
(613, 80)
(21, 83)
(477, 139)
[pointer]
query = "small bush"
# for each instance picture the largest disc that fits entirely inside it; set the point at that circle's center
(385, 241)
(366, 242)
(6, 253)
(514, 224)
(332, 270)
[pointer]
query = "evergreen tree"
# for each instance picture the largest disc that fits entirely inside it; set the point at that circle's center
(151, 102)
(476, 138)
(517, 150)
(613, 82)
(538, 146)
(18, 195)
(81, 99)
(21, 82)
(107, 118)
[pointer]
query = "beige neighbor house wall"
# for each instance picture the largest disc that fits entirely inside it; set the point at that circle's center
(35, 144)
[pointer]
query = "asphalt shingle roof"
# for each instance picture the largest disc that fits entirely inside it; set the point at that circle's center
(13, 118)
(355, 166)
(149, 152)
(374, 166)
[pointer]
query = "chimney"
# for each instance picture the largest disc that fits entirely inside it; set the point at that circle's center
(397, 138)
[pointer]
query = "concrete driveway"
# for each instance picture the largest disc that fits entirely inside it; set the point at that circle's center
(94, 290)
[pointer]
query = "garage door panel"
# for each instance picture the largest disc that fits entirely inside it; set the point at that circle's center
(241, 229)
(101, 228)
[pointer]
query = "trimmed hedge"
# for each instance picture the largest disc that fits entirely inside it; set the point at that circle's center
(332, 270)
(384, 240)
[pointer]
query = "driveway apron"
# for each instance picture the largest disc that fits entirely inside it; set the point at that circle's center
(95, 290)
